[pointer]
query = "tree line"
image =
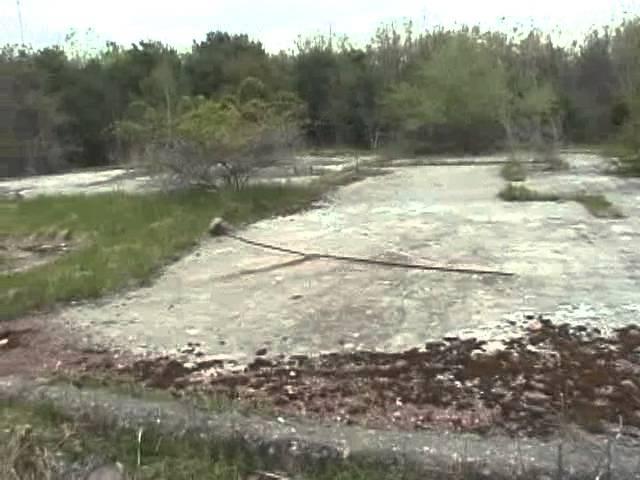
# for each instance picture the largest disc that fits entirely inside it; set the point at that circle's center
(443, 90)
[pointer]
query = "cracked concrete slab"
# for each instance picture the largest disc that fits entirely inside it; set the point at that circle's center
(569, 264)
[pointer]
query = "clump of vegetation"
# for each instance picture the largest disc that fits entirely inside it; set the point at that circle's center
(457, 90)
(514, 171)
(210, 143)
(520, 193)
(598, 206)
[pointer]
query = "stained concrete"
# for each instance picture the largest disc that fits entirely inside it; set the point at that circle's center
(567, 263)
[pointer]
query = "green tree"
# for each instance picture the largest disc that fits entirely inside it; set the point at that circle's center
(222, 61)
(457, 96)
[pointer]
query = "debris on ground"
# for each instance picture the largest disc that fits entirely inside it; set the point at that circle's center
(552, 376)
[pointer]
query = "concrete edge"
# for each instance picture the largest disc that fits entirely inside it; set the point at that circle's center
(291, 444)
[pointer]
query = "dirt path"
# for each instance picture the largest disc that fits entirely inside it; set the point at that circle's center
(569, 264)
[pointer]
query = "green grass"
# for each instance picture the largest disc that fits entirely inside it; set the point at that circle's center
(520, 193)
(33, 437)
(514, 171)
(124, 238)
(597, 205)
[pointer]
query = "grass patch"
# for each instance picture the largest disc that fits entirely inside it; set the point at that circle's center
(520, 193)
(33, 439)
(597, 205)
(514, 171)
(125, 238)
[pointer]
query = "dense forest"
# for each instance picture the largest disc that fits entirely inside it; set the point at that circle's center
(462, 91)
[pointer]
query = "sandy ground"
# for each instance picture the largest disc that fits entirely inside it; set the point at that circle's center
(568, 264)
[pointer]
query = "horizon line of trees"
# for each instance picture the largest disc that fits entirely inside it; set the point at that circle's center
(462, 90)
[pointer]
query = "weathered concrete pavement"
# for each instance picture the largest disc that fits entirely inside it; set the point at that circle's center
(569, 264)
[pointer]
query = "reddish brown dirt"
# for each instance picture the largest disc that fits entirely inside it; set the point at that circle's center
(551, 377)
(34, 347)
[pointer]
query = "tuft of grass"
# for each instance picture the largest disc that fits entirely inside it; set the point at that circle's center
(598, 206)
(520, 193)
(125, 238)
(514, 171)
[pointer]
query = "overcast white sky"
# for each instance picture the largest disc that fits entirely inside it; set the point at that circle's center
(277, 23)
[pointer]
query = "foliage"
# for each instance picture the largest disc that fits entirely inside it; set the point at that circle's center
(228, 140)
(521, 193)
(442, 90)
(458, 93)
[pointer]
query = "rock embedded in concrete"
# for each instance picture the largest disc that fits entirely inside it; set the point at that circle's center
(218, 227)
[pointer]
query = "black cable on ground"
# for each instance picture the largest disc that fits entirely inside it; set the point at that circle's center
(369, 261)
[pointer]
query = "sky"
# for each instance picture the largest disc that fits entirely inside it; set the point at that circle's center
(278, 23)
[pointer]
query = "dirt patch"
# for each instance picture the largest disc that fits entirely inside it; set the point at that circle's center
(20, 254)
(34, 347)
(538, 384)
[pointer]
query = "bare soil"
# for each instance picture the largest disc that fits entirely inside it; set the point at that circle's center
(540, 383)
(21, 254)
(553, 377)
(33, 347)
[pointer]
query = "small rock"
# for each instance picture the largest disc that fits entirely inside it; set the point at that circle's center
(537, 410)
(535, 397)
(535, 326)
(401, 364)
(218, 227)
(3, 342)
(192, 332)
(190, 366)
(296, 297)
(630, 386)
(262, 352)
(538, 386)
